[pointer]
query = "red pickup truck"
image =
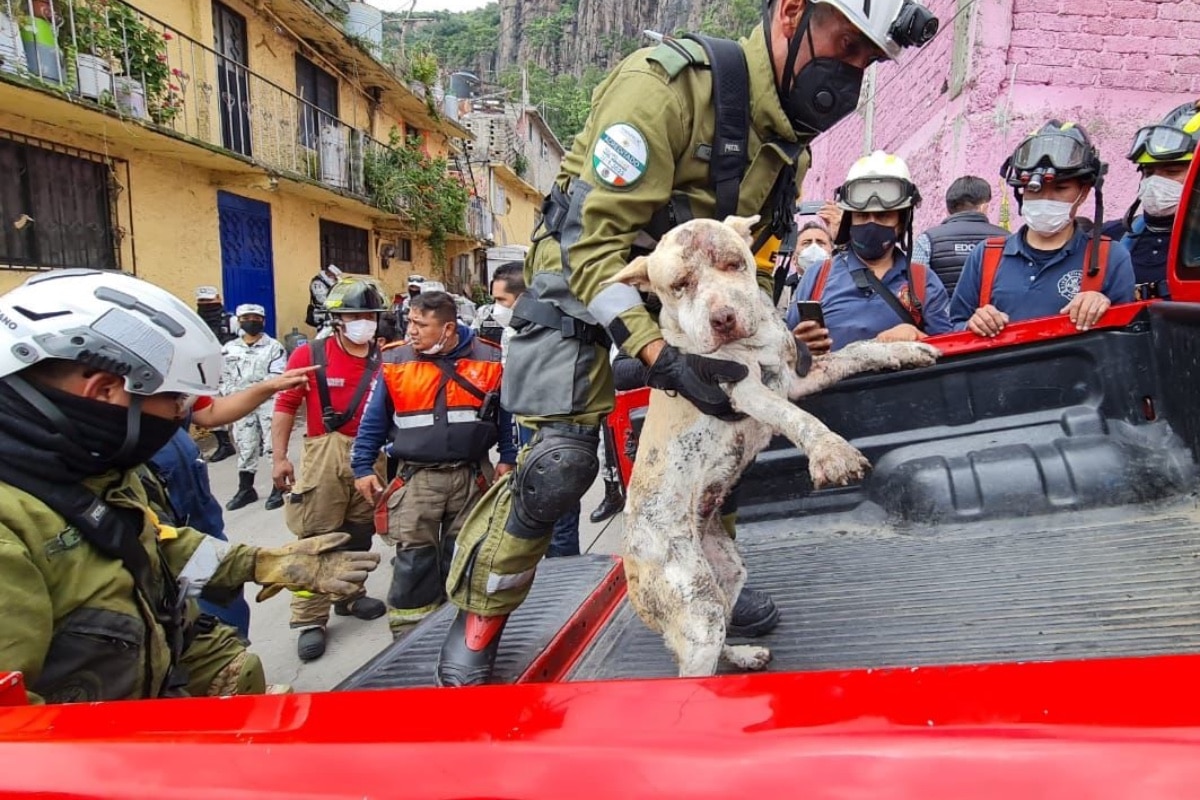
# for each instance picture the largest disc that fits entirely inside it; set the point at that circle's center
(1008, 606)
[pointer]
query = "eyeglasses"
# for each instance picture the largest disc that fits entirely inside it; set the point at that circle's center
(888, 193)
(1162, 142)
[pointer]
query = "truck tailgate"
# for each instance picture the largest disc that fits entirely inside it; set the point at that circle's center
(1115, 582)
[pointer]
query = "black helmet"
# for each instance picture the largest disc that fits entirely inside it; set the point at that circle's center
(1057, 151)
(354, 296)
(1172, 140)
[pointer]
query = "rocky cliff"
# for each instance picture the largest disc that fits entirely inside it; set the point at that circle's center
(566, 36)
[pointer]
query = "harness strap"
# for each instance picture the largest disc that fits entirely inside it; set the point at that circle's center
(731, 100)
(530, 309)
(331, 419)
(994, 251)
(822, 278)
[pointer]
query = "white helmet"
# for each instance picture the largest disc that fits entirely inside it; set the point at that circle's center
(250, 308)
(891, 24)
(113, 322)
(878, 182)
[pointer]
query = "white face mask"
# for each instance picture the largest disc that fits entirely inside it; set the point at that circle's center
(502, 315)
(1047, 217)
(360, 331)
(435, 349)
(810, 257)
(1160, 196)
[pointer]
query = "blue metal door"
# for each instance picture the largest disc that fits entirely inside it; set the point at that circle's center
(247, 265)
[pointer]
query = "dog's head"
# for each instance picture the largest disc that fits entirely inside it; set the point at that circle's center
(704, 274)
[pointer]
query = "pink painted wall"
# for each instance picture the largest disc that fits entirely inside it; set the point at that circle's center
(1112, 66)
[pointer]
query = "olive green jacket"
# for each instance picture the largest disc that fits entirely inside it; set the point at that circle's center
(670, 104)
(72, 621)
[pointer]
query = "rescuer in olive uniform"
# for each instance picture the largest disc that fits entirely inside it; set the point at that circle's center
(656, 151)
(98, 370)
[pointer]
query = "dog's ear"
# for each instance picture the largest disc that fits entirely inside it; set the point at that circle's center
(636, 273)
(743, 225)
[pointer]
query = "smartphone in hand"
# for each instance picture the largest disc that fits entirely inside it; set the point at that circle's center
(810, 207)
(810, 311)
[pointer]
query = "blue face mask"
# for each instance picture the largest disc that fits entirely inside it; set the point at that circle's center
(872, 241)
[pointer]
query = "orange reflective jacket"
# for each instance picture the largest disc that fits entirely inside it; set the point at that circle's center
(435, 418)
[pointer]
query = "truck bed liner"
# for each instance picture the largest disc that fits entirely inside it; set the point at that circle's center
(562, 586)
(1073, 585)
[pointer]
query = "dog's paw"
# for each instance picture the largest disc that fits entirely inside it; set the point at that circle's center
(832, 461)
(914, 354)
(749, 657)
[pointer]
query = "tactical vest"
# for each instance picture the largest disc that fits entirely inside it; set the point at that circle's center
(436, 418)
(1148, 250)
(951, 242)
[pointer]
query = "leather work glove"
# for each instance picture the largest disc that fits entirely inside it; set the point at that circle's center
(313, 564)
(696, 377)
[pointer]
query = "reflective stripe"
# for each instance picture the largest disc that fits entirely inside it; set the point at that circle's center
(613, 301)
(496, 583)
(425, 420)
(203, 563)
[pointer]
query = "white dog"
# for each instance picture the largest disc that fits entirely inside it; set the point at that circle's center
(683, 570)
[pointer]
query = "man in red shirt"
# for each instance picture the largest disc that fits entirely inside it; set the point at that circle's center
(324, 500)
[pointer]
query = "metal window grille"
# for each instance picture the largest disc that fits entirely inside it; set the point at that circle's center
(57, 206)
(345, 246)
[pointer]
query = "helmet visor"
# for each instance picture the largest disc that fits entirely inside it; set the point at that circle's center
(1161, 143)
(881, 193)
(1060, 151)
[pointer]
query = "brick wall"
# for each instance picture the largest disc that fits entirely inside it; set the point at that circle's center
(1113, 66)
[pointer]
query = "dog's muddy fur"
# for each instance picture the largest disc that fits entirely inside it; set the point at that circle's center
(684, 571)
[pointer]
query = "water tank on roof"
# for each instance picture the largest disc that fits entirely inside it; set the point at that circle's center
(366, 22)
(463, 84)
(450, 107)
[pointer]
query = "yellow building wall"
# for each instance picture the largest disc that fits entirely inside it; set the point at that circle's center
(516, 222)
(169, 208)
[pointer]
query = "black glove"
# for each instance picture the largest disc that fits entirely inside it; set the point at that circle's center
(696, 377)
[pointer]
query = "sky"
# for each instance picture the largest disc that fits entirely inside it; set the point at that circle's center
(429, 5)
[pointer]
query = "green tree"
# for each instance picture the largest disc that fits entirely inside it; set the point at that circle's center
(403, 180)
(732, 19)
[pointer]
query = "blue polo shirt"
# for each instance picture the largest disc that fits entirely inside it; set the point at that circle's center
(1029, 285)
(854, 315)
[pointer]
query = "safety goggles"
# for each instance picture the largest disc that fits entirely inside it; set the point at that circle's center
(1060, 151)
(883, 193)
(1162, 143)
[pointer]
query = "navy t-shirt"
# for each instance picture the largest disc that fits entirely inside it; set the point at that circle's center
(854, 315)
(1028, 285)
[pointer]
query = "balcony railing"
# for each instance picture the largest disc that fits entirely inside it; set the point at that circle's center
(107, 53)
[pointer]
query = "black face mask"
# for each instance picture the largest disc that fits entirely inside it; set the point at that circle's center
(823, 92)
(871, 241)
(251, 328)
(102, 428)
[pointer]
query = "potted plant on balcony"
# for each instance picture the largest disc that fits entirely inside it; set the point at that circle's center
(92, 45)
(147, 86)
(422, 72)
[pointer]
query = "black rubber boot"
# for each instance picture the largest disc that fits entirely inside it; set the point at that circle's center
(245, 493)
(225, 447)
(612, 504)
(274, 499)
(469, 651)
(360, 608)
(311, 644)
(754, 614)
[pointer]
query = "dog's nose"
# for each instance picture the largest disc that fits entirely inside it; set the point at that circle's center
(723, 319)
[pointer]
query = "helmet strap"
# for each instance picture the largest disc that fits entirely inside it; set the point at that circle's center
(803, 30)
(133, 428)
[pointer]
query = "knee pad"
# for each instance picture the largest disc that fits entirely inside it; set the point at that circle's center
(558, 469)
